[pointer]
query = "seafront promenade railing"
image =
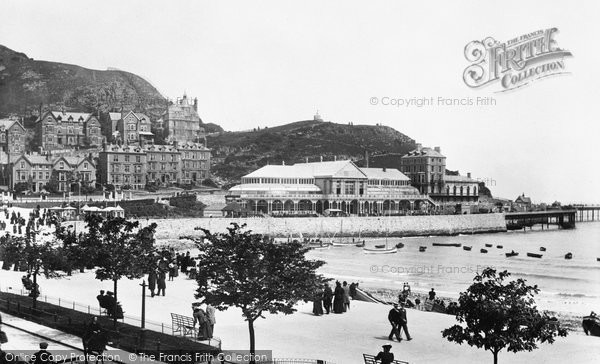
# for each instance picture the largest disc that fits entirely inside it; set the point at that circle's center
(97, 310)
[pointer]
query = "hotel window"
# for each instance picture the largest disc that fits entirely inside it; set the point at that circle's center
(138, 158)
(47, 175)
(61, 165)
(126, 158)
(126, 168)
(115, 158)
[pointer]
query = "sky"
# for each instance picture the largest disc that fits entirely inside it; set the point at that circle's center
(266, 63)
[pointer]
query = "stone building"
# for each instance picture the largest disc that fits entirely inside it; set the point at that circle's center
(182, 123)
(12, 137)
(134, 129)
(426, 169)
(123, 166)
(67, 130)
(38, 171)
(322, 187)
(195, 162)
(163, 164)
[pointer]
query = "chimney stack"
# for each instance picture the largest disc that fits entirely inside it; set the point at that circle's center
(306, 159)
(335, 158)
(283, 163)
(438, 149)
(468, 174)
(195, 104)
(321, 158)
(419, 146)
(366, 159)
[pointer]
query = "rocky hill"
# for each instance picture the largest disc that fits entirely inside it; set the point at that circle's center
(28, 86)
(238, 153)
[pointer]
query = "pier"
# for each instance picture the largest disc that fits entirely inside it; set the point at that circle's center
(565, 219)
(587, 213)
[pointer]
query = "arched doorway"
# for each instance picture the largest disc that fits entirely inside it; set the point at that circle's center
(277, 205)
(262, 206)
(305, 205)
(288, 205)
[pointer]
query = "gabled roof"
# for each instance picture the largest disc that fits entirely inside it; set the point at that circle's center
(384, 173)
(34, 159)
(523, 199)
(64, 116)
(340, 169)
(8, 123)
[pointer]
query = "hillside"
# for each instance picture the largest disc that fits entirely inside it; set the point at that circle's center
(28, 86)
(238, 153)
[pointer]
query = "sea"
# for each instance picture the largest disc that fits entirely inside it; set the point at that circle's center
(570, 287)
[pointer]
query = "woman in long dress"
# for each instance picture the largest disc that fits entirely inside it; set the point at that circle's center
(318, 302)
(200, 317)
(338, 298)
(346, 289)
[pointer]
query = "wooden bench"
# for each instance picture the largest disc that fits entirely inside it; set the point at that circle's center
(370, 359)
(183, 325)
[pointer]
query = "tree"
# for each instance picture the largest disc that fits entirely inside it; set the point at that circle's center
(500, 314)
(121, 248)
(244, 270)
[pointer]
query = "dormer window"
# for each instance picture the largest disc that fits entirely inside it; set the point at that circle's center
(70, 118)
(81, 119)
(61, 165)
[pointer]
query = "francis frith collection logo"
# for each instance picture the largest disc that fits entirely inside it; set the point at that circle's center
(514, 63)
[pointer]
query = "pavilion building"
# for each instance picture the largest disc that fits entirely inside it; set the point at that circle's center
(333, 185)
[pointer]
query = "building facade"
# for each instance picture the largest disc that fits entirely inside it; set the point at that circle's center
(134, 129)
(182, 123)
(426, 168)
(163, 167)
(195, 162)
(12, 137)
(38, 171)
(327, 186)
(123, 166)
(67, 130)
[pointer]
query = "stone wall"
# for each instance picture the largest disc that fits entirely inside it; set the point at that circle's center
(342, 226)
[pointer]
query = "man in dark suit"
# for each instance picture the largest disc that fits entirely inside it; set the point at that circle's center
(394, 319)
(43, 356)
(327, 297)
(385, 356)
(402, 324)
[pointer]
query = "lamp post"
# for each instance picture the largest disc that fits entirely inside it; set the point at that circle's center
(143, 285)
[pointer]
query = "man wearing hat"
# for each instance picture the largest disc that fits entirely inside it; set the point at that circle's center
(385, 356)
(402, 323)
(394, 319)
(42, 356)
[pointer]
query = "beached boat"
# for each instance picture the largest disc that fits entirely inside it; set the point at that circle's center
(499, 246)
(489, 245)
(467, 247)
(381, 246)
(483, 251)
(361, 244)
(598, 259)
(542, 249)
(400, 245)
(534, 255)
(511, 254)
(458, 245)
(591, 324)
(422, 248)
(569, 255)
(383, 250)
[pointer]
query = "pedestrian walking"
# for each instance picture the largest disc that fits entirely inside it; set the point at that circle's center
(212, 320)
(346, 289)
(327, 297)
(338, 298)
(152, 281)
(394, 319)
(318, 302)
(403, 323)
(161, 284)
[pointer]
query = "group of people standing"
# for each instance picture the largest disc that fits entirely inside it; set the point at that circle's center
(206, 320)
(338, 300)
